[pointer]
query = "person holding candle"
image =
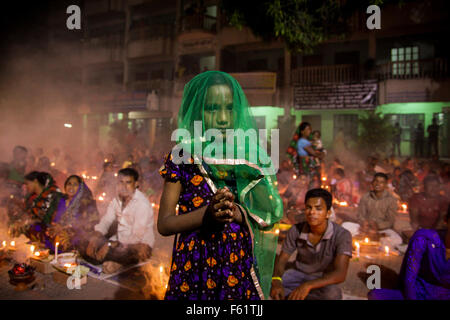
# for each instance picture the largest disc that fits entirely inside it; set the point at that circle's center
(425, 271)
(124, 235)
(323, 252)
(376, 214)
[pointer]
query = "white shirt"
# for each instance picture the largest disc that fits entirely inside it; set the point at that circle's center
(135, 221)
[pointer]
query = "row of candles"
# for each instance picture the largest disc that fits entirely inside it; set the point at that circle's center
(36, 253)
(366, 242)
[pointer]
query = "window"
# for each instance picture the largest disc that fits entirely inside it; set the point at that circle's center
(408, 122)
(348, 124)
(405, 61)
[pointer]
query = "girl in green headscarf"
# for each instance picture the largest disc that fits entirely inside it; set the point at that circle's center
(226, 194)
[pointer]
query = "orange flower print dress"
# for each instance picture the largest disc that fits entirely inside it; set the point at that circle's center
(211, 265)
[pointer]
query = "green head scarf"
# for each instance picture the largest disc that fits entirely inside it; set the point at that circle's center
(215, 100)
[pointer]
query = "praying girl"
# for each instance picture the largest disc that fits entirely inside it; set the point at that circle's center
(227, 201)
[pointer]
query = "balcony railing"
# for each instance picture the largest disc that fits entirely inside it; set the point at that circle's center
(198, 21)
(430, 68)
(332, 73)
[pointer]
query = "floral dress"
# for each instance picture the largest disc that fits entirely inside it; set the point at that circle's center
(214, 265)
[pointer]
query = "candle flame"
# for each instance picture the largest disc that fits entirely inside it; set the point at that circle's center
(106, 160)
(294, 177)
(115, 174)
(32, 248)
(13, 243)
(153, 204)
(404, 206)
(386, 248)
(366, 240)
(100, 198)
(57, 244)
(4, 243)
(357, 244)
(277, 231)
(37, 253)
(324, 178)
(52, 164)
(343, 203)
(161, 269)
(104, 194)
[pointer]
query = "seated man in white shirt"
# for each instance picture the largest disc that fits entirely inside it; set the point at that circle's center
(134, 238)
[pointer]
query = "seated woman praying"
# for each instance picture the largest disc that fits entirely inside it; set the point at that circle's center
(40, 205)
(75, 216)
(425, 271)
(323, 248)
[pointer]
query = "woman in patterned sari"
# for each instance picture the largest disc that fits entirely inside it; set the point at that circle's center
(40, 205)
(76, 215)
(225, 245)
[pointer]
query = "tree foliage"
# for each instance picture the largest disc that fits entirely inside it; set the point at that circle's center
(301, 24)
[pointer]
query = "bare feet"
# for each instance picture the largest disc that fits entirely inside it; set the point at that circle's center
(111, 267)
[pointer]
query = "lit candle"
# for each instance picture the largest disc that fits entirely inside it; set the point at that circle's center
(115, 174)
(32, 248)
(56, 251)
(52, 164)
(277, 231)
(13, 243)
(324, 178)
(4, 243)
(357, 248)
(386, 249)
(153, 204)
(106, 160)
(37, 253)
(366, 240)
(100, 198)
(294, 177)
(104, 194)
(161, 270)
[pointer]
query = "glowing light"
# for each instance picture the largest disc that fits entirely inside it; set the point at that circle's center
(277, 231)
(343, 203)
(11, 196)
(52, 164)
(153, 204)
(106, 160)
(115, 174)
(68, 125)
(4, 244)
(366, 240)
(161, 269)
(32, 247)
(104, 194)
(357, 248)
(324, 178)
(37, 253)
(404, 207)
(100, 198)
(13, 243)
(94, 178)
(386, 249)
(294, 177)
(84, 176)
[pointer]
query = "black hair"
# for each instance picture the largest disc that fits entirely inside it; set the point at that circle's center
(320, 193)
(22, 148)
(340, 172)
(129, 172)
(107, 164)
(303, 126)
(381, 175)
(80, 181)
(41, 177)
